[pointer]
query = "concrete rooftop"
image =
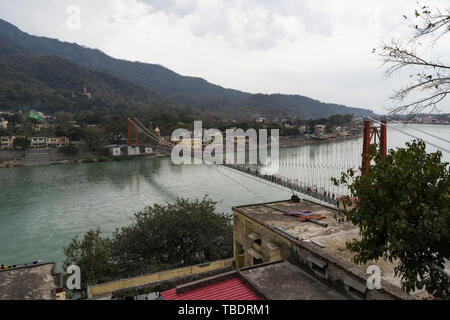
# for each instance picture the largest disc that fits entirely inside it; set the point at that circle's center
(284, 281)
(29, 283)
(329, 242)
(303, 230)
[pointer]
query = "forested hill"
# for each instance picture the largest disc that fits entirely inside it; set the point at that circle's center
(187, 91)
(54, 84)
(303, 107)
(192, 91)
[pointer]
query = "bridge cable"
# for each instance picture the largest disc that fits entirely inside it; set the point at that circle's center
(424, 132)
(158, 140)
(154, 135)
(413, 136)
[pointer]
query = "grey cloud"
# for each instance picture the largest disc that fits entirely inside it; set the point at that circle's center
(179, 8)
(235, 22)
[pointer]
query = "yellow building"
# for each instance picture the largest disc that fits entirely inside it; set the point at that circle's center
(190, 143)
(38, 142)
(279, 257)
(57, 142)
(41, 126)
(344, 133)
(263, 233)
(6, 143)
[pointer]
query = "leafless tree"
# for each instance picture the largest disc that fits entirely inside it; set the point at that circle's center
(431, 77)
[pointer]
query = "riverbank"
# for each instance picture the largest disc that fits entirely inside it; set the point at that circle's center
(44, 207)
(292, 142)
(55, 157)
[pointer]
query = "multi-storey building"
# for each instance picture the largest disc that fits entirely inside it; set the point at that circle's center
(320, 130)
(6, 143)
(38, 142)
(57, 142)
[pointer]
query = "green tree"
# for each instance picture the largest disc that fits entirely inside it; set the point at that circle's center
(69, 149)
(22, 143)
(63, 117)
(403, 213)
(92, 255)
(4, 132)
(173, 235)
(161, 237)
(95, 138)
(60, 132)
(76, 134)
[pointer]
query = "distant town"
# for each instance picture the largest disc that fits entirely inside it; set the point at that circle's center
(86, 137)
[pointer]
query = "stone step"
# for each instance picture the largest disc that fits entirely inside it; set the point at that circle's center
(37, 157)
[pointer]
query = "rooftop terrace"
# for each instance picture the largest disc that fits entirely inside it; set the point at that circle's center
(38, 282)
(312, 244)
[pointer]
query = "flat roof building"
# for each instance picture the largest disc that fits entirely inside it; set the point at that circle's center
(277, 256)
(6, 143)
(36, 282)
(263, 233)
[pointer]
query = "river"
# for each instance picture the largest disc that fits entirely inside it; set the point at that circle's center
(42, 208)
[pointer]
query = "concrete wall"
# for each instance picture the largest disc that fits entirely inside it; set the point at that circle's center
(108, 288)
(344, 277)
(57, 155)
(6, 155)
(53, 154)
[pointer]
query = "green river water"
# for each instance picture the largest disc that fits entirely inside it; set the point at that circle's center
(42, 208)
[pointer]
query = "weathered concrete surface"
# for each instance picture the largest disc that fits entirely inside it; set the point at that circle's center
(46, 156)
(303, 230)
(320, 251)
(6, 155)
(284, 281)
(30, 283)
(165, 279)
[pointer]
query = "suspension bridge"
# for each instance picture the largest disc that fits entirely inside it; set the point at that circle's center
(306, 170)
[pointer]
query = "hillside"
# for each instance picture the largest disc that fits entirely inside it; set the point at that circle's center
(187, 91)
(54, 84)
(282, 105)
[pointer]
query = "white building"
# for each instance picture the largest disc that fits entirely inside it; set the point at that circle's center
(320, 130)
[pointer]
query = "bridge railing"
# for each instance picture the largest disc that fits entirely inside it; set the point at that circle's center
(293, 184)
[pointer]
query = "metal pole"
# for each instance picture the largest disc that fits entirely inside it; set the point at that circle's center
(366, 160)
(129, 133)
(136, 142)
(383, 138)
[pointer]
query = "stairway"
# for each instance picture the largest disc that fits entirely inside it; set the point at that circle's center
(37, 157)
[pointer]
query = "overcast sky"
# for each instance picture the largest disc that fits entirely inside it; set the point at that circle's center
(318, 48)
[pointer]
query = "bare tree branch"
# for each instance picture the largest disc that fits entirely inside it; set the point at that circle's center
(434, 24)
(433, 76)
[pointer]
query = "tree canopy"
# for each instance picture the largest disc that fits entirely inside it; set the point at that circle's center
(403, 211)
(161, 237)
(21, 143)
